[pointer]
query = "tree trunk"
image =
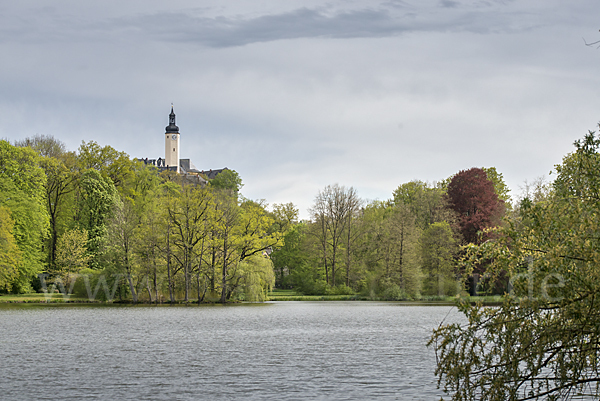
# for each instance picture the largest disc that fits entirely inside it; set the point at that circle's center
(130, 281)
(224, 273)
(169, 273)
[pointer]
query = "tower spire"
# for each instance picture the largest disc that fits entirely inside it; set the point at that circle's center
(172, 127)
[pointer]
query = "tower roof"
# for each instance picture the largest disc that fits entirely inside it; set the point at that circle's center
(172, 127)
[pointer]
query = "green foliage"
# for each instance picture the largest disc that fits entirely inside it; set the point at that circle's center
(22, 167)
(543, 342)
(308, 280)
(426, 203)
(438, 248)
(112, 164)
(22, 182)
(10, 256)
(96, 285)
(71, 255)
(394, 293)
(340, 289)
(500, 186)
(287, 258)
(227, 180)
(258, 278)
(97, 201)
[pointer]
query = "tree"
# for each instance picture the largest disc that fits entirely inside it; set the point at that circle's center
(97, 199)
(543, 342)
(472, 196)
(71, 253)
(290, 257)
(119, 242)
(438, 251)
(10, 256)
(44, 145)
(227, 180)
(330, 213)
(500, 186)
(428, 204)
(112, 164)
(190, 216)
(22, 183)
(258, 278)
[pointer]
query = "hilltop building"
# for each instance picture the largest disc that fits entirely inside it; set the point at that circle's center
(172, 161)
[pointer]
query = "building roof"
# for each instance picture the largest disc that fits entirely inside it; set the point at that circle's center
(210, 174)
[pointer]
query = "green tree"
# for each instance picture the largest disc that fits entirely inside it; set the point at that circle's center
(330, 217)
(543, 342)
(191, 216)
(438, 251)
(22, 183)
(119, 240)
(257, 278)
(428, 204)
(500, 186)
(60, 184)
(97, 199)
(291, 256)
(112, 164)
(227, 180)
(10, 256)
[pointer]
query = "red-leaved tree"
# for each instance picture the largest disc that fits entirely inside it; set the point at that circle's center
(471, 195)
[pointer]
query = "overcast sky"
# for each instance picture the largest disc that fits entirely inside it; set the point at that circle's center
(296, 95)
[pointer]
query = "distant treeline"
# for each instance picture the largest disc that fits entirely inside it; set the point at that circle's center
(96, 218)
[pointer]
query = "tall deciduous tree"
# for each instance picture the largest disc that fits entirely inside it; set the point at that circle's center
(112, 164)
(22, 183)
(191, 215)
(10, 256)
(427, 203)
(438, 250)
(472, 196)
(97, 202)
(120, 239)
(330, 214)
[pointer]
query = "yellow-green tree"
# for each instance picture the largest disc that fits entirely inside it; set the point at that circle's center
(257, 276)
(71, 254)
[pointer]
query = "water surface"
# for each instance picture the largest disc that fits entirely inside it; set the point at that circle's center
(278, 350)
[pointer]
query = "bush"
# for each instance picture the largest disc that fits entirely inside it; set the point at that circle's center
(342, 289)
(394, 293)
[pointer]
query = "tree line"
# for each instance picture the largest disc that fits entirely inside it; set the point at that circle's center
(98, 218)
(406, 247)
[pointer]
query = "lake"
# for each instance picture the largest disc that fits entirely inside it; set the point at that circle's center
(276, 350)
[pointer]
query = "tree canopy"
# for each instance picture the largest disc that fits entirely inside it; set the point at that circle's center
(474, 199)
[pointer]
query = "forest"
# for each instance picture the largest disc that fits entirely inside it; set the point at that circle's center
(99, 224)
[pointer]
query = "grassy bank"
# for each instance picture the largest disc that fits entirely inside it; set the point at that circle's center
(291, 295)
(275, 295)
(40, 298)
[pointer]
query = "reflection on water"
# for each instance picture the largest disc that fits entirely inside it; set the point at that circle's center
(279, 350)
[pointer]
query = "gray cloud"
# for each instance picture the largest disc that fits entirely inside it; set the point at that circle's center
(318, 23)
(217, 31)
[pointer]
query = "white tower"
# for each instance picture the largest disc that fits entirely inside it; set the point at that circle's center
(172, 142)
